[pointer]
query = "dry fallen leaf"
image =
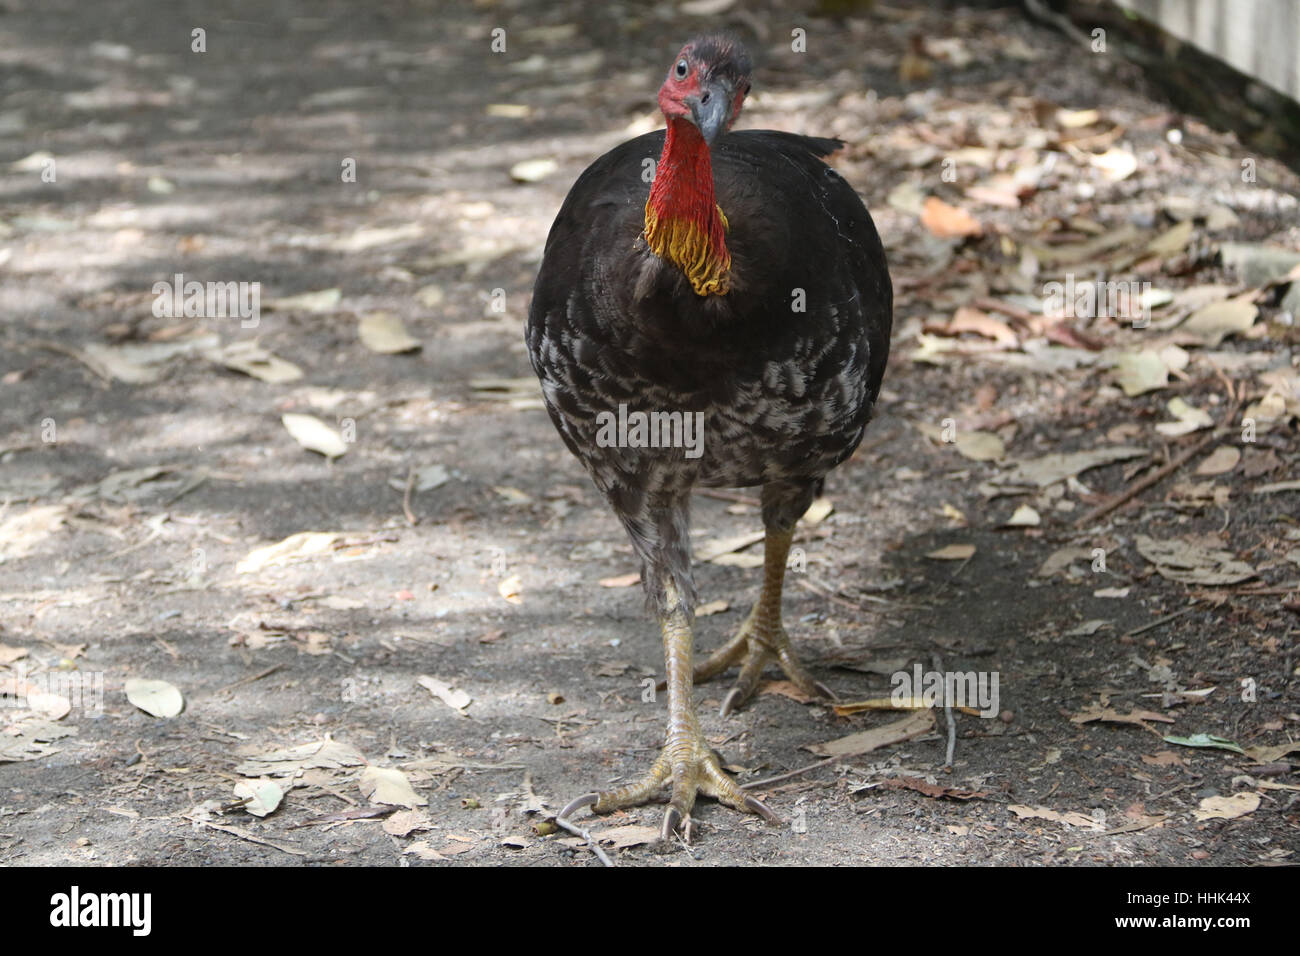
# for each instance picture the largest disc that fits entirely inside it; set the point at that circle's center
(1214, 322)
(1141, 372)
(952, 552)
(532, 170)
(263, 796)
(21, 532)
(1024, 517)
(389, 787)
(405, 822)
(423, 850)
(10, 654)
(948, 222)
(384, 333)
(1094, 712)
(712, 550)
(314, 435)
(305, 544)
(1050, 469)
(1228, 808)
(453, 698)
(621, 580)
(251, 359)
(708, 609)
(1073, 819)
(818, 511)
(513, 496)
(1180, 560)
(323, 301)
(932, 789)
(980, 446)
(1220, 461)
(155, 697)
(320, 754)
(967, 319)
(913, 725)
(1188, 419)
(1116, 163)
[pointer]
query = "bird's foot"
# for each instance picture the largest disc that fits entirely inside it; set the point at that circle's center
(689, 766)
(760, 640)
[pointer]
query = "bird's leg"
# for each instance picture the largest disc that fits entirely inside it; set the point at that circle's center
(687, 763)
(762, 637)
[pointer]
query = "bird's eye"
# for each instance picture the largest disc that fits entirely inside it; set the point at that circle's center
(681, 69)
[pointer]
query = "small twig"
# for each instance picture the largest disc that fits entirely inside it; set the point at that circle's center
(1250, 592)
(728, 496)
(755, 784)
(1157, 622)
(1161, 473)
(248, 680)
(194, 481)
(1006, 308)
(406, 498)
(157, 530)
(591, 841)
(245, 835)
(1227, 382)
(94, 366)
(822, 590)
(1038, 11)
(364, 542)
(947, 711)
(960, 568)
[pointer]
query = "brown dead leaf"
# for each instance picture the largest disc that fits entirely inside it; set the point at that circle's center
(405, 822)
(1228, 808)
(932, 789)
(10, 654)
(621, 580)
(948, 222)
(1043, 813)
(1094, 712)
(913, 725)
(510, 588)
(784, 688)
(952, 552)
(967, 319)
(1164, 758)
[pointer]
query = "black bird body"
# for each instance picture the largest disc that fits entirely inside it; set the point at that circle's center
(786, 394)
(741, 287)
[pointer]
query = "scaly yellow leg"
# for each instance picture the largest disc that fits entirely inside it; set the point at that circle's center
(687, 763)
(762, 637)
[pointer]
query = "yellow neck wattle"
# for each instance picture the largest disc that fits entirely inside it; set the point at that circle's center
(701, 255)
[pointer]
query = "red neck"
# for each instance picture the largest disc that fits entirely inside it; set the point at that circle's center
(683, 222)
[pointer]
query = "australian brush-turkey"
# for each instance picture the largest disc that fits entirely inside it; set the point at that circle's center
(697, 272)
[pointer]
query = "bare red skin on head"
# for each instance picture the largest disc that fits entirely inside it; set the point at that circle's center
(683, 183)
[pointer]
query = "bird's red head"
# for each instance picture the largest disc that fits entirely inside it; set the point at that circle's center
(701, 98)
(707, 84)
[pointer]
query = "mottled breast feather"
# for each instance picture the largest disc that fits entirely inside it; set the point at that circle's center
(784, 393)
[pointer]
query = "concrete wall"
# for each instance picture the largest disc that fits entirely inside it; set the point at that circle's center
(1261, 38)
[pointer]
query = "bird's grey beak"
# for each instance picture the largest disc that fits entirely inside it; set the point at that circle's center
(711, 110)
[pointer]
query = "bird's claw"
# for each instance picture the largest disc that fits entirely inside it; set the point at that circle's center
(573, 806)
(754, 646)
(700, 772)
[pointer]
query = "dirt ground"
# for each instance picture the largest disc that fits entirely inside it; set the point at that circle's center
(488, 645)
